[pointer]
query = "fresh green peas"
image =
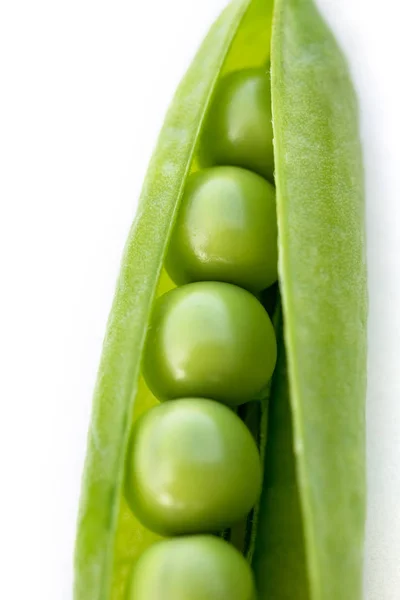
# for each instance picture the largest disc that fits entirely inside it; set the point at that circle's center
(239, 127)
(209, 340)
(193, 467)
(226, 230)
(200, 567)
(191, 464)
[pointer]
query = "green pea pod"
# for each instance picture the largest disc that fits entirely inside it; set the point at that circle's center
(305, 539)
(319, 182)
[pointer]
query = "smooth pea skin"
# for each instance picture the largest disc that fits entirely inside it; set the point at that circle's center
(226, 230)
(192, 568)
(209, 340)
(193, 467)
(239, 127)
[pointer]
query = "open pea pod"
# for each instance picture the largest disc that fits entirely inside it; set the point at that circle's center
(304, 538)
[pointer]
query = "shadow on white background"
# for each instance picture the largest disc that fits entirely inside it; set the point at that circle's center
(85, 86)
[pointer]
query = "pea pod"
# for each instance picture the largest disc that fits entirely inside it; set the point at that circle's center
(314, 489)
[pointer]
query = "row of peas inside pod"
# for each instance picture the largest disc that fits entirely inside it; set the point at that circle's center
(193, 468)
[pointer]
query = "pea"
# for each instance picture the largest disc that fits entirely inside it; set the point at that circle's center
(198, 567)
(226, 230)
(239, 127)
(211, 340)
(193, 467)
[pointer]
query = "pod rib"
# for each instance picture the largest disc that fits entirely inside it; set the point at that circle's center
(140, 271)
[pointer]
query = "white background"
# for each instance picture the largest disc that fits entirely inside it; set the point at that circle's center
(84, 85)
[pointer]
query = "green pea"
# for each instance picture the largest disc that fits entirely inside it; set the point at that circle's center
(226, 230)
(210, 340)
(200, 567)
(193, 467)
(239, 127)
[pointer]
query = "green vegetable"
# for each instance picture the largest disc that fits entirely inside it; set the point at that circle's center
(210, 340)
(239, 127)
(193, 467)
(322, 270)
(226, 230)
(195, 567)
(304, 537)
